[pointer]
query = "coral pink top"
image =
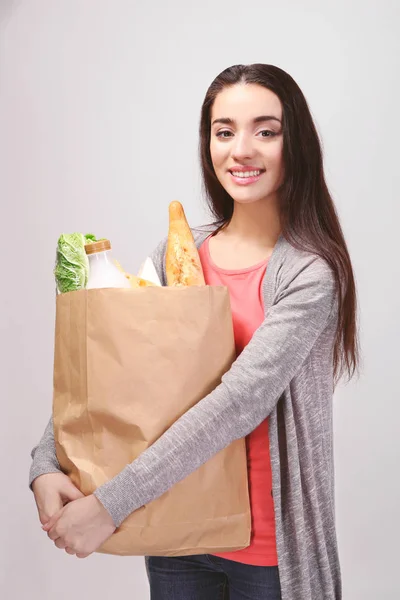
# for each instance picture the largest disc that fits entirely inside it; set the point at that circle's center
(245, 288)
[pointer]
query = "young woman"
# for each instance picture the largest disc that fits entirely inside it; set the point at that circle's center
(278, 246)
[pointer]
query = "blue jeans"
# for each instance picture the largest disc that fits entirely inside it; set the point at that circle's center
(207, 577)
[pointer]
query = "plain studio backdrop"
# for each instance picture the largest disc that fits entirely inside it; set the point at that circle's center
(99, 110)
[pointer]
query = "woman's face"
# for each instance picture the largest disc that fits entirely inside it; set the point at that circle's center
(246, 142)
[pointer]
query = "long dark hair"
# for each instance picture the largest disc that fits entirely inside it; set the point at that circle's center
(308, 216)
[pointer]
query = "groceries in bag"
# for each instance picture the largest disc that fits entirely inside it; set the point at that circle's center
(183, 266)
(84, 262)
(103, 273)
(72, 265)
(127, 365)
(147, 272)
(146, 277)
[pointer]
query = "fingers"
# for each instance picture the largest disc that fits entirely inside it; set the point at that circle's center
(53, 535)
(47, 526)
(78, 554)
(60, 543)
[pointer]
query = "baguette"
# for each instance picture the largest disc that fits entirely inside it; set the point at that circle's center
(183, 266)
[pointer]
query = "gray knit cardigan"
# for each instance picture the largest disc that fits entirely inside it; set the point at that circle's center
(284, 373)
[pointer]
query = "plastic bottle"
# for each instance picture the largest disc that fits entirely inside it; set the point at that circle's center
(102, 271)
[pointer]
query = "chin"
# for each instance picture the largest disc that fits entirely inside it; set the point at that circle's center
(250, 200)
(247, 196)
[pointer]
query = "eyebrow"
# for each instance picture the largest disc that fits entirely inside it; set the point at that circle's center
(261, 119)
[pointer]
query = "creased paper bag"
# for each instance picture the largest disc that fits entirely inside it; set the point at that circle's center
(128, 363)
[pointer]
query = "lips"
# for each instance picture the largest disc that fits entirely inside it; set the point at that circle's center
(245, 169)
(241, 180)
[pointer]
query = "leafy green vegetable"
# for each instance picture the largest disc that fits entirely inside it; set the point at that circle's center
(90, 238)
(72, 264)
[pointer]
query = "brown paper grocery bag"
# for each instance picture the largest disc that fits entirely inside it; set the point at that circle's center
(128, 363)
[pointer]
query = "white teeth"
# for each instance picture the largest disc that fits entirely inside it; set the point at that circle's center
(246, 173)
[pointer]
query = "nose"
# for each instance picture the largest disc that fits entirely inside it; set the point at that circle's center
(242, 147)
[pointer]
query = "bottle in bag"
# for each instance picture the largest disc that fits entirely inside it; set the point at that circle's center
(102, 271)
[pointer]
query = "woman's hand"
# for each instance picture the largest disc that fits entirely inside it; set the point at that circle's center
(81, 526)
(52, 491)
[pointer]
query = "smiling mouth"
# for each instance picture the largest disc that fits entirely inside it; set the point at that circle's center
(247, 178)
(247, 174)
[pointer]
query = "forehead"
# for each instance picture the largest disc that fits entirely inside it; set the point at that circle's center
(243, 102)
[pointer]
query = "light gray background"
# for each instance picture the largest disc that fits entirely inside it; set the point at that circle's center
(99, 111)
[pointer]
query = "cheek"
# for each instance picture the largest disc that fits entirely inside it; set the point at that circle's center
(276, 156)
(275, 162)
(217, 154)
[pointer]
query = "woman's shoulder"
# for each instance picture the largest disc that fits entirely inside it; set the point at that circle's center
(287, 260)
(295, 260)
(303, 272)
(204, 230)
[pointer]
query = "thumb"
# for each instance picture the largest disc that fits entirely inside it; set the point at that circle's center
(70, 491)
(52, 504)
(47, 526)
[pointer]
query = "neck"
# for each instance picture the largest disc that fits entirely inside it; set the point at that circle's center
(256, 221)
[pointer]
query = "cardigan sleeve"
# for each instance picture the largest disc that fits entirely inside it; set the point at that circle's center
(247, 394)
(44, 458)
